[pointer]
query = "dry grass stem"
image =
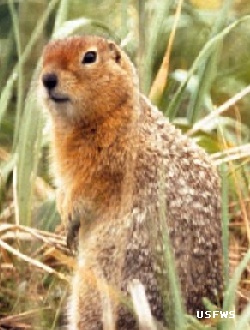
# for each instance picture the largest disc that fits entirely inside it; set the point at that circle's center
(217, 112)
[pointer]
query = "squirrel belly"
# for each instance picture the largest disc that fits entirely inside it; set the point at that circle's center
(121, 167)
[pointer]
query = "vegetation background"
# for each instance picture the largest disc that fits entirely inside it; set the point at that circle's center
(193, 60)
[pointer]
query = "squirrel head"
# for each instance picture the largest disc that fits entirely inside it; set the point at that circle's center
(85, 78)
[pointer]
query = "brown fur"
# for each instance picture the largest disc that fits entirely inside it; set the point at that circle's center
(112, 149)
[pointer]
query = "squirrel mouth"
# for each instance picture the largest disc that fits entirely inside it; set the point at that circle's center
(58, 98)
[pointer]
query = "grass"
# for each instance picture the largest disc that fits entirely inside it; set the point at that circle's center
(34, 263)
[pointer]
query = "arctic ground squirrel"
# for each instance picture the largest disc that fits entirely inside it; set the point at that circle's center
(119, 166)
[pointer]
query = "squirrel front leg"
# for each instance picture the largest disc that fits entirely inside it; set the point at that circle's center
(73, 214)
(78, 217)
(70, 219)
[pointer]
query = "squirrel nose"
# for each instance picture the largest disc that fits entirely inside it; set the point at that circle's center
(49, 80)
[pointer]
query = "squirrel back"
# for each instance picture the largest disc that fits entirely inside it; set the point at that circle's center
(120, 168)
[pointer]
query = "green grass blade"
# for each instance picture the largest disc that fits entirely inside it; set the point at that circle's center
(30, 139)
(6, 95)
(7, 166)
(124, 18)
(206, 50)
(225, 224)
(174, 312)
(244, 321)
(194, 324)
(62, 14)
(229, 298)
(142, 41)
(20, 94)
(207, 69)
(230, 295)
(205, 77)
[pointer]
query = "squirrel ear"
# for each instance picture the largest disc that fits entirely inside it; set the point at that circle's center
(115, 51)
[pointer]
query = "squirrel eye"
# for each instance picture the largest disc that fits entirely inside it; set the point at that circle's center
(89, 57)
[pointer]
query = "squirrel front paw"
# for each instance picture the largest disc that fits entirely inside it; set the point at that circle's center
(73, 226)
(84, 217)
